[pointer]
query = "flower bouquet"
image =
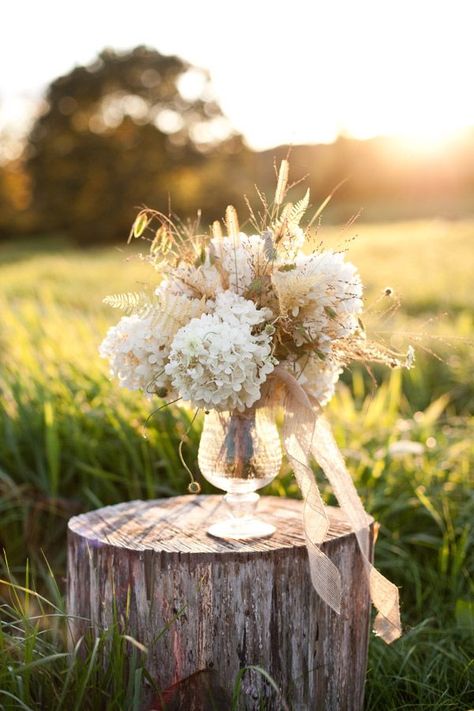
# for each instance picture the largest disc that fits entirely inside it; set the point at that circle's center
(241, 326)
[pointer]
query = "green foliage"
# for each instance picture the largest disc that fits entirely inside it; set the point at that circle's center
(71, 440)
(118, 134)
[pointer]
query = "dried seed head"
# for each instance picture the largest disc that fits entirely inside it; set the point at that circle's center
(217, 229)
(162, 241)
(282, 182)
(232, 221)
(139, 226)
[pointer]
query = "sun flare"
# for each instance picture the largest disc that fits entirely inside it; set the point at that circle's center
(305, 76)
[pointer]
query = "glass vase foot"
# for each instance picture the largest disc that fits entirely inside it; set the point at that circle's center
(242, 524)
(243, 531)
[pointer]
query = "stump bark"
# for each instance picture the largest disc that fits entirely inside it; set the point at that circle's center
(205, 608)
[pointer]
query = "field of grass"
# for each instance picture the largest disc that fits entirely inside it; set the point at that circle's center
(70, 440)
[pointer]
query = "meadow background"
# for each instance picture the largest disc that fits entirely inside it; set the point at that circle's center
(70, 440)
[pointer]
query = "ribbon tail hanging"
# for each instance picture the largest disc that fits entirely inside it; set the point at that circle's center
(383, 593)
(305, 433)
(298, 430)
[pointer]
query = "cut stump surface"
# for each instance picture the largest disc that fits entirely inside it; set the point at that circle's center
(206, 608)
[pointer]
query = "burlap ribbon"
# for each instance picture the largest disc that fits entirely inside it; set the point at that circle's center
(307, 433)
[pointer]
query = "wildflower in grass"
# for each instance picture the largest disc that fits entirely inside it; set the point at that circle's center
(405, 446)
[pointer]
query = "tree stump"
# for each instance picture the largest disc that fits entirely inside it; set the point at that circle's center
(224, 605)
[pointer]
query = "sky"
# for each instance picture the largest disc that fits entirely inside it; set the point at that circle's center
(284, 72)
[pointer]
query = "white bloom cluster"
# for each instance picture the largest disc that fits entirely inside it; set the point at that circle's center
(188, 281)
(137, 348)
(230, 308)
(242, 257)
(235, 310)
(291, 243)
(323, 296)
(216, 361)
(318, 378)
(137, 354)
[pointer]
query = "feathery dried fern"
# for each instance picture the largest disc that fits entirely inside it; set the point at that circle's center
(132, 302)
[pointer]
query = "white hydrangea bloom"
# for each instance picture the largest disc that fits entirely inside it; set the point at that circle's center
(291, 243)
(323, 295)
(317, 377)
(235, 310)
(216, 362)
(242, 257)
(138, 348)
(193, 282)
(137, 354)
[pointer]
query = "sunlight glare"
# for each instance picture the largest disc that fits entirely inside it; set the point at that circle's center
(302, 74)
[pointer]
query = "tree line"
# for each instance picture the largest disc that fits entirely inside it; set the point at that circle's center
(141, 128)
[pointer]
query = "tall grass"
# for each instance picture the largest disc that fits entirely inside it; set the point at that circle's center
(70, 440)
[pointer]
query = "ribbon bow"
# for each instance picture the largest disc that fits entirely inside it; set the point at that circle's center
(307, 433)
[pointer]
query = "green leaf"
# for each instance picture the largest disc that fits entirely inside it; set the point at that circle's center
(330, 312)
(287, 267)
(465, 614)
(255, 286)
(52, 446)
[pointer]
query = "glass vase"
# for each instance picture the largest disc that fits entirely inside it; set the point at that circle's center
(240, 452)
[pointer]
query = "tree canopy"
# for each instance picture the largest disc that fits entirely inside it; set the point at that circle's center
(129, 130)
